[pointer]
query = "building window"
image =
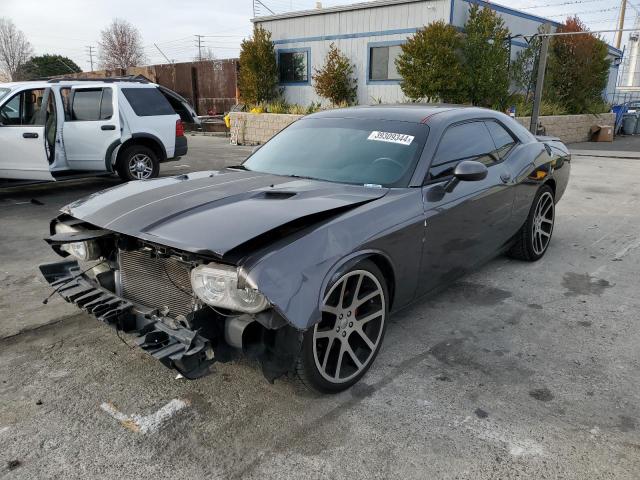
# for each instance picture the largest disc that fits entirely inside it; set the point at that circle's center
(293, 66)
(382, 62)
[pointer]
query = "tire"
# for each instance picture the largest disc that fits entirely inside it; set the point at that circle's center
(138, 162)
(534, 237)
(340, 335)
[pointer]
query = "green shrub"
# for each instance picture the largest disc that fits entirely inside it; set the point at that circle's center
(258, 71)
(278, 107)
(335, 81)
(296, 109)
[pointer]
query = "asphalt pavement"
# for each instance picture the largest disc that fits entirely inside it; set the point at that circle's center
(520, 370)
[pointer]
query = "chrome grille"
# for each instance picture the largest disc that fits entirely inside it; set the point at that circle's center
(156, 282)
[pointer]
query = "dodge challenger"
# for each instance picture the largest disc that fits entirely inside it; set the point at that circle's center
(297, 257)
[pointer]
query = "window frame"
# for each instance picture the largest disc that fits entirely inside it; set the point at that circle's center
(72, 100)
(426, 181)
(307, 51)
(371, 45)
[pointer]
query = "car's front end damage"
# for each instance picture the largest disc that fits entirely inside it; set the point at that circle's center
(186, 310)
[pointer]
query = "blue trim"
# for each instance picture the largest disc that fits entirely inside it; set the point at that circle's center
(306, 50)
(370, 45)
(343, 36)
(451, 12)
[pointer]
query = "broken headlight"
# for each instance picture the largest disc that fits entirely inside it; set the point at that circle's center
(89, 250)
(217, 285)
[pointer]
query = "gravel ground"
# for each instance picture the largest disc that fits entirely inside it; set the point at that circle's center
(517, 371)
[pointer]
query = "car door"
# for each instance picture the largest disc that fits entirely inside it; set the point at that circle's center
(91, 126)
(23, 150)
(469, 224)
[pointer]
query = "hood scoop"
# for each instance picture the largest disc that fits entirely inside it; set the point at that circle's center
(275, 195)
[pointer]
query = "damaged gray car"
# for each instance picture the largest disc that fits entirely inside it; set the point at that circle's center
(297, 257)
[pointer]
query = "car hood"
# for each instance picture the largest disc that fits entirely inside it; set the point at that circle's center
(211, 213)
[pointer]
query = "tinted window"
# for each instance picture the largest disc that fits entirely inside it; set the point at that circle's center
(382, 62)
(25, 108)
(468, 141)
(502, 139)
(148, 102)
(293, 66)
(344, 150)
(92, 104)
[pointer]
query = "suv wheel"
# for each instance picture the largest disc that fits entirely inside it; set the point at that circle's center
(138, 163)
(339, 350)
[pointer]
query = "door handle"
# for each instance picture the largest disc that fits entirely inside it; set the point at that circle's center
(29, 135)
(108, 127)
(505, 177)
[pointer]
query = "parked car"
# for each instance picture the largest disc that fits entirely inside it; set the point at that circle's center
(62, 128)
(297, 256)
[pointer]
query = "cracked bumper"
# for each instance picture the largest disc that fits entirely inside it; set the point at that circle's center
(176, 347)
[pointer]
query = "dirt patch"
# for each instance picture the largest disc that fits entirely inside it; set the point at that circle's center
(583, 284)
(541, 394)
(482, 295)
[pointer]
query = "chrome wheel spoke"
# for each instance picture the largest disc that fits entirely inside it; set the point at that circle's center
(366, 298)
(370, 317)
(544, 215)
(366, 339)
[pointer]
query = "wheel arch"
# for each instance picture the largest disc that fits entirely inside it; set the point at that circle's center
(147, 140)
(551, 182)
(380, 260)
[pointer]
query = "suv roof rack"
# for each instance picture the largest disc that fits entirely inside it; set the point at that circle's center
(136, 79)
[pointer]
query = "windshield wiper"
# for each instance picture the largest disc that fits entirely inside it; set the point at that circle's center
(239, 167)
(303, 177)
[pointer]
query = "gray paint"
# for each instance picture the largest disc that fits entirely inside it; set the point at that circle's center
(427, 237)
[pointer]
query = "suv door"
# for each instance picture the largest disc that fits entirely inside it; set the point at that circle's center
(470, 224)
(91, 126)
(23, 152)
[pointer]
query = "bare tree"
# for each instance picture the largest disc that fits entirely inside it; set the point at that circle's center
(120, 46)
(15, 49)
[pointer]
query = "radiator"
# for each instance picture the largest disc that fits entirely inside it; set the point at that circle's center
(156, 282)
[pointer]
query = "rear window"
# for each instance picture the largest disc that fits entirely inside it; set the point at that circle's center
(148, 102)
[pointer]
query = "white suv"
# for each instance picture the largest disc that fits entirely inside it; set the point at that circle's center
(65, 128)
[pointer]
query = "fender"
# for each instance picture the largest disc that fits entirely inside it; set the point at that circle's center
(112, 153)
(155, 139)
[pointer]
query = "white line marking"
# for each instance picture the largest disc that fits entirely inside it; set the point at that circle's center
(627, 249)
(147, 423)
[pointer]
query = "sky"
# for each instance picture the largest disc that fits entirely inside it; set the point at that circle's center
(69, 27)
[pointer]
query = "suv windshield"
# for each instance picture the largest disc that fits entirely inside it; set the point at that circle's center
(344, 150)
(3, 92)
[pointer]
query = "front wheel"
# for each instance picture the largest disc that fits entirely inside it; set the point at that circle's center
(534, 237)
(339, 350)
(138, 163)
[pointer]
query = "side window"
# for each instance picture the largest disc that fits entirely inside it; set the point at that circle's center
(148, 102)
(382, 62)
(467, 141)
(501, 137)
(92, 104)
(25, 108)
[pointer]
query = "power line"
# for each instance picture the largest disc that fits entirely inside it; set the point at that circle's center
(584, 13)
(572, 2)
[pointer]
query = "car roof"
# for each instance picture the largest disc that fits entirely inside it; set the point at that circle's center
(71, 83)
(414, 112)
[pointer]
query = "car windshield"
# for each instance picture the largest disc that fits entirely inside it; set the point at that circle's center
(3, 92)
(344, 150)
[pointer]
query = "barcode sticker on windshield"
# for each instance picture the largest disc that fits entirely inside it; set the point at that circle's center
(400, 138)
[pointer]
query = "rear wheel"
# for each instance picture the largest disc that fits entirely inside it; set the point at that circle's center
(339, 350)
(534, 237)
(138, 162)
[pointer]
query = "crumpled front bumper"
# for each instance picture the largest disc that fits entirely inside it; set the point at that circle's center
(175, 346)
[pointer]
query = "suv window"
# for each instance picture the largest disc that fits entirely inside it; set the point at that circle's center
(501, 137)
(148, 102)
(92, 104)
(25, 108)
(467, 141)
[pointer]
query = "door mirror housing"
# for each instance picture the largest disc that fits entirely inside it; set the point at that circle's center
(467, 171)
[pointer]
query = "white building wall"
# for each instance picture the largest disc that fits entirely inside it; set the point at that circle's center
(352, 32)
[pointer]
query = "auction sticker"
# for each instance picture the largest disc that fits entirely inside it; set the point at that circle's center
(400, 138)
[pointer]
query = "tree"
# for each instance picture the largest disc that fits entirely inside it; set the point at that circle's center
(15, 49)
(486, 57)
(577, 69)
(431, 65)
(258, 73)
(45, 66)
(120, 46)
(335, 81)
(524, 69)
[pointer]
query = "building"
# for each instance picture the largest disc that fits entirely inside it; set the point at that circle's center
(370, 34)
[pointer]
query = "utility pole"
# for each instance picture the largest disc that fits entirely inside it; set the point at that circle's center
(542, 66)
(623, 11)
(199, 39)
(162, 53)
(90, 52)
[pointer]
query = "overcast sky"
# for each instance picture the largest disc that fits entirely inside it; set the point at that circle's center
(68, 27)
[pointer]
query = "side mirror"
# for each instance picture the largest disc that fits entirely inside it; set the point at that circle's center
(467, 171)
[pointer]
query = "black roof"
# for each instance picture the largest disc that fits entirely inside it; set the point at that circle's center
(410, 112)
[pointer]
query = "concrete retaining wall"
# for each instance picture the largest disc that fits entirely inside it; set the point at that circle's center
(257, 128)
